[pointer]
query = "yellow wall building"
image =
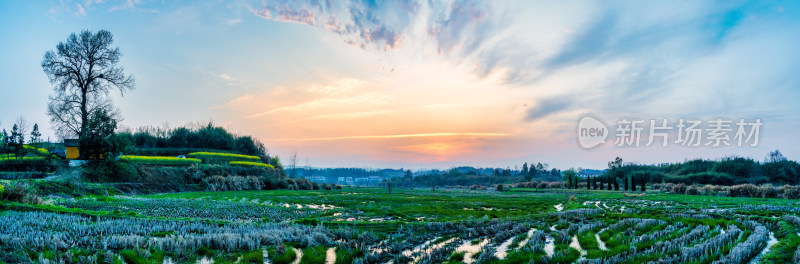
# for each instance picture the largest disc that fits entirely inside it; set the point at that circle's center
(71, 146)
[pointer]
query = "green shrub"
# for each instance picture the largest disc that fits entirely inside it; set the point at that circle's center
(287, 257)
(250, 164)
(315, 255)
(253, 257)
(155, 160)
(457, 257)
(2, 189)
(110, 170)
(217, 158)
(21, 192)
(13, 163)
(132, 257)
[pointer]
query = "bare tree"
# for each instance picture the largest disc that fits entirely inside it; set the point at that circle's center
(22, 125)
(83, 70)
(294, 165)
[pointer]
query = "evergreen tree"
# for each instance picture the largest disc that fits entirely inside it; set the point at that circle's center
(36, 137)
(644, 182)
(4, 141)
(17, 142)
(525, 172)
(626, 182)
(633, 183)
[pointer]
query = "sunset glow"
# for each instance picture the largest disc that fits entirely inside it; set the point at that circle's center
(439, 84)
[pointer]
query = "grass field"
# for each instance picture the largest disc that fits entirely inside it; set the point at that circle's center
(369, 225)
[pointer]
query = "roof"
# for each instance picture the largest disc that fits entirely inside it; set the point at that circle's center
(71, 142)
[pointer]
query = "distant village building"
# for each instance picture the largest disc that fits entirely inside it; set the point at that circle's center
(72, 149)
(71, 146)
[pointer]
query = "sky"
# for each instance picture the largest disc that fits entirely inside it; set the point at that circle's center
(431, 84)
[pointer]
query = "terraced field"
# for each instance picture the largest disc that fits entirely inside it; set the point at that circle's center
(408, 226)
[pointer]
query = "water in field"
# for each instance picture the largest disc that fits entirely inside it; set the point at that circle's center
(528, 238)
(418, 248)
(469, 249)
(771, 242)
(577, 246)
(600, 243)
(299, 256)
(502, 250)
(549, 245)
(426, 247)
(597, 203)
(330, 256)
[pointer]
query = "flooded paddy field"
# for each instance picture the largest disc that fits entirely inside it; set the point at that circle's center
(369, 225)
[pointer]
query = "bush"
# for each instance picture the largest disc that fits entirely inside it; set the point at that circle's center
(217, 158)
(21, 192)
(691, 190)
(743, 190)
(767, 191)
(109, 170)
(2, 189)
(250, 164)
(790, 192)
(233, 183)
(12, 163)
(163, 161)
(678, 188)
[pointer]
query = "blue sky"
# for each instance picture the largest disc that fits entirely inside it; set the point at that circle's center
(421, 84)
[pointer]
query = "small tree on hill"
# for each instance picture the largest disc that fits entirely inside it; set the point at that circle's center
(36, 137)
(17, 142)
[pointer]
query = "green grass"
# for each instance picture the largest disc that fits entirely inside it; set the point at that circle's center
(286, 258)
(588, 241)
(315, 255)
(253, 257)
(346, 256)
(131, 257)
(157, 160)
(457, 257)
(250, 164)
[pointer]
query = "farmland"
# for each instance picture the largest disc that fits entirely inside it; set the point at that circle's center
(370, 225)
